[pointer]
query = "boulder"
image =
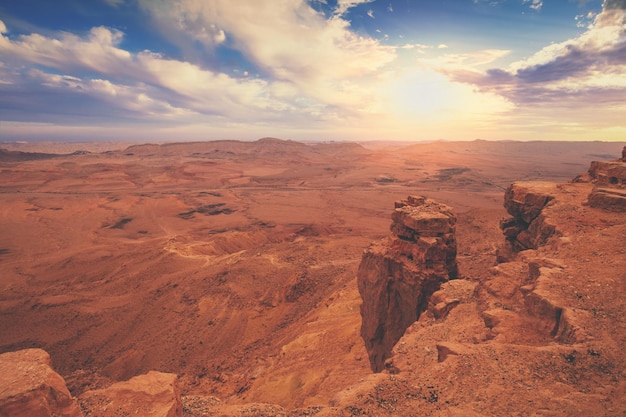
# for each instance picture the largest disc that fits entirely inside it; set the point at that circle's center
(398, 275)
(154, 394)
(29, 387)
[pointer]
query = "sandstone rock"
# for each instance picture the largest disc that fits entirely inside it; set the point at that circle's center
(528, 228)
(524, 201)
(397, 276)
(29, 387)
(154, 394)
(608, 199)
(607, 174)
(609, 178)
(450, 295)
(542, 301)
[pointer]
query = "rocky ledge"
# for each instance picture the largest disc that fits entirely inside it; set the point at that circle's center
(609, 179)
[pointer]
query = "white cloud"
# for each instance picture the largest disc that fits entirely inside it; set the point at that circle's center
(291, 42)
(135, 80)
(534, 4)
(605, 35)
(97, 51)
(344, 5)
(582, 79)
(467, 60)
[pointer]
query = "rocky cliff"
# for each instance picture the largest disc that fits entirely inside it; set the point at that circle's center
(398, 274)
(540, 332)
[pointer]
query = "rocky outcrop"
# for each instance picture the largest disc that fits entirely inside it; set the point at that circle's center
(154, 394)
(29, 387)
(609, 178)
(527, 228)
(397, 275)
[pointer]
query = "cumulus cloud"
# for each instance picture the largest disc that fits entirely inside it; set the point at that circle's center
(558, 67)
(96, 51)
(590, 68)
(146, 83)
(54, 98)
(289, 41)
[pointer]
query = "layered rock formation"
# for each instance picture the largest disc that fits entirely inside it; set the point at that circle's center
(527, 228)
(609, 179)
(29, 387)
(398, 274)
(541, 329)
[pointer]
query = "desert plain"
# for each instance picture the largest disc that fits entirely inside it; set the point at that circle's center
(233, 265)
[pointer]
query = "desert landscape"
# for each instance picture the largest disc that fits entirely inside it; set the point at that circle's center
(232, 268)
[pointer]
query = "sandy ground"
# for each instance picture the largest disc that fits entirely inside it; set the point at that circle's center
(231, 264)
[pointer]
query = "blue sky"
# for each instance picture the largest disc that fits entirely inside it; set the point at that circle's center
(313, 69)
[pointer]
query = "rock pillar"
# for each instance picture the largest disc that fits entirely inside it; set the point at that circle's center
(398, 274)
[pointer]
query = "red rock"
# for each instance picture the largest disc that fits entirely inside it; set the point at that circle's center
(525, 201)
(608, 174)
(397, 276)
(609, 178)
(154, 394)
(29, 387)
(608, 199)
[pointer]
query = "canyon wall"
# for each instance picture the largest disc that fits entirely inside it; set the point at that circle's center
(398, 274)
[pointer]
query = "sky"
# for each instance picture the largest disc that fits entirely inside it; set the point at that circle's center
(344, 70)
